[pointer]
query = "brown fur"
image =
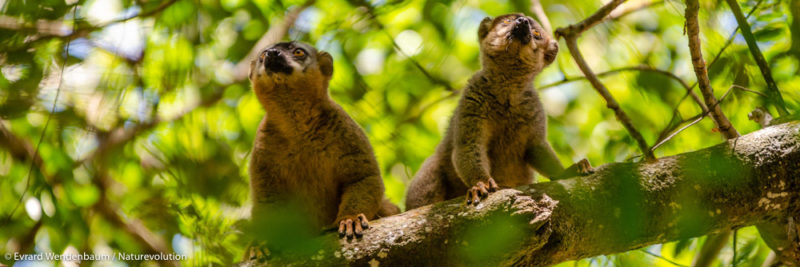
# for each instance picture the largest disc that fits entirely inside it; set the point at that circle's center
(308, 151)
(497, 135)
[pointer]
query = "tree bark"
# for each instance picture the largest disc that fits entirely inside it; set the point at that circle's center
(744, 181)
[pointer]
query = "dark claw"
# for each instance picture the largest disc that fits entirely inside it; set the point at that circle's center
(480, 191)
(353, 226)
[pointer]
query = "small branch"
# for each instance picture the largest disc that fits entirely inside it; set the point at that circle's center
(54, 28)
(663, 136)
(538, 10)
(597, 17)
(643, 68)
(625, 10)
(273, 35)
(611, 103)
(693, 29)
(772, 87)
(570, 34)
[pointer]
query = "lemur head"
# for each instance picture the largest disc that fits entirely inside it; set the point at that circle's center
(516, 41)
(290, 69)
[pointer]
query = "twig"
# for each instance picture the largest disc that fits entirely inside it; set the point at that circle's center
(662, 258)
(48, 28)
(697, 118)
(693, 30)
(675, 112)
(628, 9)
(597, 17)
(44, 131)
(611, 103)
(151, 241)
(644, 68)
(273, 35)
(772, 87)
(536, 8)
(570, 34)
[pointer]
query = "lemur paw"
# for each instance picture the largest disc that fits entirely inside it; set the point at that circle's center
(351, 226)
(479, 191)
(257, 250)
(584, 168)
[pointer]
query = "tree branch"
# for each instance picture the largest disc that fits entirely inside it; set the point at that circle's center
(693, 29)
(538, 10)
(570, 34)
(631, 8)
(623, 206)
(710, 249)
(772, 87)
(594, 19)
(54, 28)
(611, 103)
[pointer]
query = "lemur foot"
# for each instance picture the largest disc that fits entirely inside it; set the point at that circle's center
(480, 191)
(584, 168)
(580, 168)
(351, 226)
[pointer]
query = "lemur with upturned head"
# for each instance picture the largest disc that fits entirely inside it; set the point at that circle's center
(497, 134)
(308, 151)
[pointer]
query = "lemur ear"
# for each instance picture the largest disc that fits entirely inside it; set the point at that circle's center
(325, 62)
(551, 52)
(252, 68)
(483, 29)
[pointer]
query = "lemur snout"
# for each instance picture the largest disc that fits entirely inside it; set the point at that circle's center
(522, 30)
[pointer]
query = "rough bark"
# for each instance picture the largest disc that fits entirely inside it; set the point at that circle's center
(623, 206)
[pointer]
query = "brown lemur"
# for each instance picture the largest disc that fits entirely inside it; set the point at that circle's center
(498, 131)
(307, 150)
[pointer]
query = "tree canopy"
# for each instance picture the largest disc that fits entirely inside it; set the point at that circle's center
(126, 126)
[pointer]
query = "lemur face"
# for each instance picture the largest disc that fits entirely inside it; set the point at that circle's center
(291, 63)
(516, 38)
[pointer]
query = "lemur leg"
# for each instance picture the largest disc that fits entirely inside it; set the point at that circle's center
(470, 157)
(542, 157)
(544, 160)
(427, 187)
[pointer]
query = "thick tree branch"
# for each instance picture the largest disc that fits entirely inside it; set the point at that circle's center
(772, 87)
(719, 118)
(623, 206)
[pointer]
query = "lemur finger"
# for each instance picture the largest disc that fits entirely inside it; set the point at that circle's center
(475, 198)
(341, 228)
(482, 190)
(359, 232)
(348, 228)
(492, 185)
(364, 221)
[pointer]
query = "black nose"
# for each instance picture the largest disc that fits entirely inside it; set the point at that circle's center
(522, 21)
(273, 53)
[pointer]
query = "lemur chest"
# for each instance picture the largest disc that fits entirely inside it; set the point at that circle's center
(298, 156)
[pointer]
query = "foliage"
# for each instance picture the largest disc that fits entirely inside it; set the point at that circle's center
(166, 74)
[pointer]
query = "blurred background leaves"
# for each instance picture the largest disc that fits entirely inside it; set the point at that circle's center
(146, 129)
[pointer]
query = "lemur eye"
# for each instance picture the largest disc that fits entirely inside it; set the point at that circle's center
(506, 21)
(537, 35)
(262, 56)
(299, 52)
